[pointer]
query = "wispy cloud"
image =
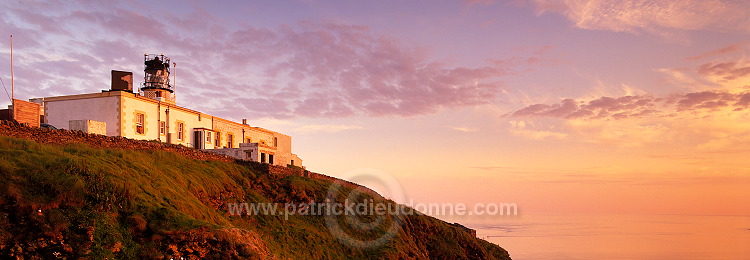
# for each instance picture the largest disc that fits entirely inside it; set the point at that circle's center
(659, 17)
(708, 115)
(325, 128)
(638, 106)
(604, 107)
(725, 71)
(304, 69)
(721, 51)
(711, 100)
(706, 121)
(526, 130)
(464, 129)
(712, 86)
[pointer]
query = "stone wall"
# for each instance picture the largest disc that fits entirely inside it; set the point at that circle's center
(60, 137)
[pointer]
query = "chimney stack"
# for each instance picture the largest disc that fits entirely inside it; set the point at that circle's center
(122, 80)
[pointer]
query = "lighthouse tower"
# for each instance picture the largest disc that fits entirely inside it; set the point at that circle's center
(156, 79)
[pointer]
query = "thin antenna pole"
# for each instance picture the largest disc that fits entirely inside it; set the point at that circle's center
(174, 84)
(12, 76)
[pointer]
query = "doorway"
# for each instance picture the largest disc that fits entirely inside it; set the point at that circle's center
(198, 140)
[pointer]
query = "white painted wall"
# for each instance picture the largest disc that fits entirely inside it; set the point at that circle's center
(119, 109)
(130, 107)
(156, 112)
(102, 108)
(225, 127)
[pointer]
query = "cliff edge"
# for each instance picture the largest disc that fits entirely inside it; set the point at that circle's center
(71, 195)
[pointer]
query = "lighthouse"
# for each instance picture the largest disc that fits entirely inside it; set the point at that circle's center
(156, 78)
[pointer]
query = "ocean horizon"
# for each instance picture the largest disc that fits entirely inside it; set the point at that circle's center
(618, 236)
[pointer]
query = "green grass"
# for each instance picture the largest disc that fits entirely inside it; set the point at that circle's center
(126, 204)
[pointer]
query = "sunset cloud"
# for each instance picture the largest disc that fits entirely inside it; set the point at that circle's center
(706, 113)
(725, 71)
(306, 69)
(619, 98)
(464, 129)
(704, 124)
(326, 128)
(637, 106)
(658, 17)
(529, 131)
(346, 70)
(601, 108)
(718, 85)
(721, 51)
(710, 100)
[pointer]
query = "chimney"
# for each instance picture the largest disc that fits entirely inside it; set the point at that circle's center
(244, 121)
(122, 80)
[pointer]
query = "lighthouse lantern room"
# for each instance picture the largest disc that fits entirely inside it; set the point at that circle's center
(156, 78)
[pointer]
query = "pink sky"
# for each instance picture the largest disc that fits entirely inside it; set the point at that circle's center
(558, 106)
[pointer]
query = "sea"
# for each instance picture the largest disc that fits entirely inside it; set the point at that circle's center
(611, 236)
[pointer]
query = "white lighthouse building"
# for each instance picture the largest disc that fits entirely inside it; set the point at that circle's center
(153, 114)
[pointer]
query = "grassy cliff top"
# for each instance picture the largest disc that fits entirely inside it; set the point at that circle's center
(73, 200)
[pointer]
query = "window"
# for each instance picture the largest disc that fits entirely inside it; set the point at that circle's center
(140, 123)
(270, 158)
(217, 139)
(262, 157)
(162, 127)
(208, 137)
(275, 142)
(230, 140)
(180, 131)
